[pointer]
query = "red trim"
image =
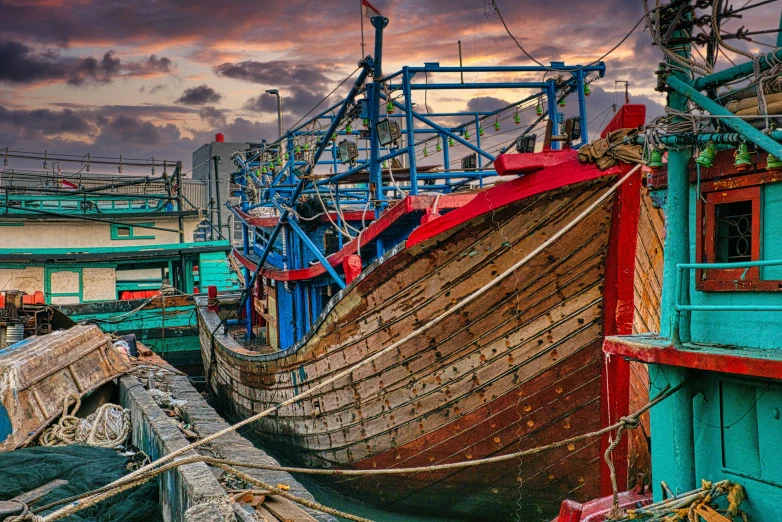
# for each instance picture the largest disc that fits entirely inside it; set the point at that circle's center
(510, 164)
(723, 360)
(374, 229)
(552, 178)
(271, 222)
(618, 313)
(706, 248)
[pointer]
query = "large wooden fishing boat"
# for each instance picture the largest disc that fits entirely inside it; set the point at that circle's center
(519, 367)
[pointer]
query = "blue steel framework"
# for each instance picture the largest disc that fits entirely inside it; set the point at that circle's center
(283, 171)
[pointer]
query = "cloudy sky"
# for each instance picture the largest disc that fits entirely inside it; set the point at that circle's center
(158, 78)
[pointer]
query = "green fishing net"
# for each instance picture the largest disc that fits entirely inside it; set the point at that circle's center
(85, 468)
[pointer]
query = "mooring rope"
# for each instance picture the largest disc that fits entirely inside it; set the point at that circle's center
(369, 360)
(630, 421)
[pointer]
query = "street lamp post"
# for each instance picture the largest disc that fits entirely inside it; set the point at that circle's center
(276, 93)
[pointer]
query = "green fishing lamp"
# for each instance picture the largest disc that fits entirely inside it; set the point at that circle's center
(539, 109)
(480, 130)
(496, 125)
(450, 141)
(773, 163)
(655, 159)
(426, 152)
(706, 158)
(439, 147)
(517, 118)
(390, 107)
(587, 90)
(349, 128)
(742, 158)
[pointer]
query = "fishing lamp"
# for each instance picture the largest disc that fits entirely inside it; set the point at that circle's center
(743, 160)
(517, 118)
(497, 125)
(655, 159)
(466, 134)
(773, 163)
(365, 122)
(706, 158)
(306, 146)
(426, 151)
(263, 169)
(349, 128)
(390, 107)
(387, 132)
(562, 102)
(480, 130)
(538, 109)
(450, 142)
(587, 90)
(439, 147)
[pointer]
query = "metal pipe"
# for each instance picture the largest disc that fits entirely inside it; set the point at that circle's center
(730, 308)
(375, 173)
(216, 160)
(737, 124)
(713, 81)
(276, 93)
(410, 124)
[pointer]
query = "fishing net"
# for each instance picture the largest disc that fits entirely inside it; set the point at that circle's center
(85, 468)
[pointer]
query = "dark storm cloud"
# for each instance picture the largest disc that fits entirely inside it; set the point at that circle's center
(22, 64)
(295, 100)
(46, 122)
(214, 117)
(199, 95)
(276, 73)
(486, 104)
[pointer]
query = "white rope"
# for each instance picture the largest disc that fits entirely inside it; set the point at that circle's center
(369, 360)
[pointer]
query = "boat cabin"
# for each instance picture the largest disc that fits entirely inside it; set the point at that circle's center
(721, 336)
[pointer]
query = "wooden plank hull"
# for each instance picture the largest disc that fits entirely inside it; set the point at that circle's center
(517, 368)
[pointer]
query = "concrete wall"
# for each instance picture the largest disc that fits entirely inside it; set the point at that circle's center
(99, 284)
(89, 234)
(27, 279)
(184, 487)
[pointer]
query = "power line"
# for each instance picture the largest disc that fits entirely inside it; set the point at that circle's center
(614, 48)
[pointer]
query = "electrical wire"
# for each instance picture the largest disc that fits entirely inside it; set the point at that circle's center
(528, 55)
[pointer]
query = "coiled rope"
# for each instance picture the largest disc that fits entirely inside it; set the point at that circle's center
(369, 360)
(108, 427)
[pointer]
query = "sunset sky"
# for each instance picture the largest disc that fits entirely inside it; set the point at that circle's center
(153, 78)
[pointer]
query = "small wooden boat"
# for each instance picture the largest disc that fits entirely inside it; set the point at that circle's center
(519, 367)
(36, 375)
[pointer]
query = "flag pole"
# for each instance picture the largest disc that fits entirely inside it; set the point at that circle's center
(361, 17)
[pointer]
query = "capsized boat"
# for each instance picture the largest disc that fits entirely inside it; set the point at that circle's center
(519, 367)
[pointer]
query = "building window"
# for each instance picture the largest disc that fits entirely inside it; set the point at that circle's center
(131, 232)
(729, 222)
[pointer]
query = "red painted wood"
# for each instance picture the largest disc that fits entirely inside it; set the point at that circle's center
(352, 267)
(618, 313)
(513, 164)
(271, 222)
(374, 229)
(566, 173)
(629, 116)
(727, 362)
(706, 238)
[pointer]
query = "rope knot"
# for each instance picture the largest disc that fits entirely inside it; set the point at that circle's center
(630, 422)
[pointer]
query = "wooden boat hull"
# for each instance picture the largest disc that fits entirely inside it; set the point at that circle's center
(38, 373)
(517, 368)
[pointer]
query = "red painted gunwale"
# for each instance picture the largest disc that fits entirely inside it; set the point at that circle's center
(752, 363)
(373, 230)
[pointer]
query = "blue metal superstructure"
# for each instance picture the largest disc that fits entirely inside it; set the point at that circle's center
(323, 163)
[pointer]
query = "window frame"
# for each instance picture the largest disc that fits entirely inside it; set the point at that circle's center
(728, 280)
(116, 226)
